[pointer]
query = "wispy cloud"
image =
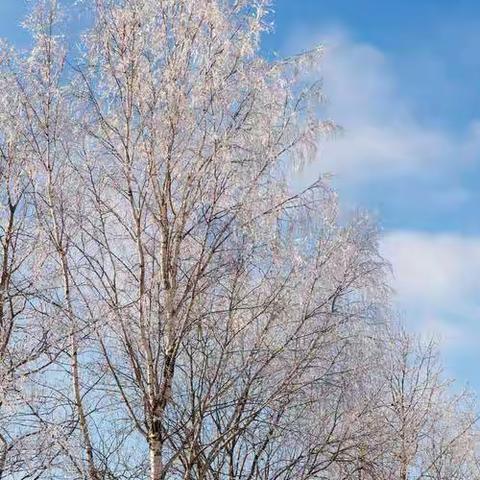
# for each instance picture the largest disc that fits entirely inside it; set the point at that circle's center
(383, 137)
(436, 278)
(419, 176)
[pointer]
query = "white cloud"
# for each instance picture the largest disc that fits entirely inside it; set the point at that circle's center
(434, 267)
(437, 281)
(383, 136)
(419, 174)
(450, 336)
(386, 143)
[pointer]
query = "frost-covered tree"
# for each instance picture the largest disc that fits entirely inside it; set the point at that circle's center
(188, 314)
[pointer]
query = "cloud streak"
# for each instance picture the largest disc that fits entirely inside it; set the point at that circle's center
(436, 278)
(383, 137)
(420, 178)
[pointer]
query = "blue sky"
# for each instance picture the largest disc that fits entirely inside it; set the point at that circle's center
(403, 80)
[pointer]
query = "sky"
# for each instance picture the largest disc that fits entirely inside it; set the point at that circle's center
(403, 80)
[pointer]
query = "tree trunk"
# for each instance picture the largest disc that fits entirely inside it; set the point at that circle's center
(156, 465)
(3, 455)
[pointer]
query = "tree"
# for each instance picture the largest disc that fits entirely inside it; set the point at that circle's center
(214, 304)
(421, 428)
(203, 319)
(26, 327)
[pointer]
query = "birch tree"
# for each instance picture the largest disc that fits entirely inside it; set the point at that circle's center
(189, 313)
(220, 320)
(27, 329)
(423, 428)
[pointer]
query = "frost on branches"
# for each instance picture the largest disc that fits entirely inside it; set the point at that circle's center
(170, 308)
